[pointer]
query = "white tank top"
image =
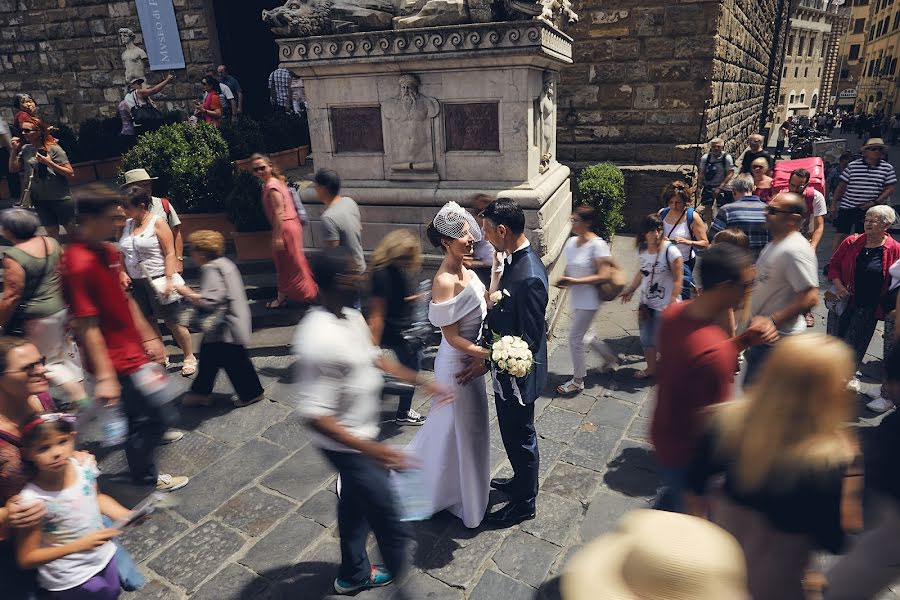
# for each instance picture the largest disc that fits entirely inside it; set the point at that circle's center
(142, 248)
(680, 230)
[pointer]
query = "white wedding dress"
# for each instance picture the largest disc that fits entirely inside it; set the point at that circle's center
(453, 446)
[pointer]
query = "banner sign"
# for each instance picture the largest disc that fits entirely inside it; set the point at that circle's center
(849, 93)
(161, 37)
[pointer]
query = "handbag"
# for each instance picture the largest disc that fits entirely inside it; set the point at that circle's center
(16, 324)
(610, 289)
(158, 283)
(25, 201)
(204, 319)
(145, 117)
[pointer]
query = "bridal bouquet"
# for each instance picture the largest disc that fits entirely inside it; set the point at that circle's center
(511, 355)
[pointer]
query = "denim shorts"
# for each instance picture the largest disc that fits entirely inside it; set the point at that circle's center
(649, 327)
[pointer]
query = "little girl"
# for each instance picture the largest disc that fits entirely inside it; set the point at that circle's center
(71, 549)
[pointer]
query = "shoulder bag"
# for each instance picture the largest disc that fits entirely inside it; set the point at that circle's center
(146, 117)
(158, 283)
(205, 319)
(16, 324)
(610, 288)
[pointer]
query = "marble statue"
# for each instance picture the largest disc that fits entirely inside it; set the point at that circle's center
(303, 18)
(133, 56)
(547, 107)
(411, 117)
(299, 18)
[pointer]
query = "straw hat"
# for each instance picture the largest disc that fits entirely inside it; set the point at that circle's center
(137, 176)
(874, 143)
(655, 555)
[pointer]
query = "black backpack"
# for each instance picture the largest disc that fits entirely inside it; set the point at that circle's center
(711, 167)
(145, 117)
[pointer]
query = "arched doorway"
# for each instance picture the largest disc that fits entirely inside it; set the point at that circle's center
(248, 48)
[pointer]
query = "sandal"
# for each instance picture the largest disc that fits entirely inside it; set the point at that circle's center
(643, 374)
(276, 304)
(570, 387)
(189, 367)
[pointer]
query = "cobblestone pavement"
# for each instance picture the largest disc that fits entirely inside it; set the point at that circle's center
(258, 518)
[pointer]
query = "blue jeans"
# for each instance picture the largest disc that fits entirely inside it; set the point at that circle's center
(129, 575)
(755, 357)
(671, 495)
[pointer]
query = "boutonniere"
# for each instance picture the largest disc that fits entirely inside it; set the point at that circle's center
(498, 296)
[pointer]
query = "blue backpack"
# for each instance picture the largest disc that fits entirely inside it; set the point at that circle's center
(687, 284)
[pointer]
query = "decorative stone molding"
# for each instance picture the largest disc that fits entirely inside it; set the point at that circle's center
(524, 36)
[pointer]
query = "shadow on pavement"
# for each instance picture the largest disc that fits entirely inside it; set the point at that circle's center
(633, 473)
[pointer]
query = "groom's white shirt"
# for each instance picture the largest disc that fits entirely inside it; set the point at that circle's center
(508, 258)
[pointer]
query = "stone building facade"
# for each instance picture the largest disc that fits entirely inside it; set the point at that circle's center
(653, 79)
(67, 55)
(850, 55)
(808, 71)
(878, 85)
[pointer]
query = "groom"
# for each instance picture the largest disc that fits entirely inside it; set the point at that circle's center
(520, 313)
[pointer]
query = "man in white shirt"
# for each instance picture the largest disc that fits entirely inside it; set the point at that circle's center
(339, 397)
(816, 209)
(787, 279)
(159, 207)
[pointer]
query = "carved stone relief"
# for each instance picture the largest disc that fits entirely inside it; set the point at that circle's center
(411, 118)
(547, 108)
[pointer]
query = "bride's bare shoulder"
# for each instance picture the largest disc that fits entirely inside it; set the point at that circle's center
(444, 287)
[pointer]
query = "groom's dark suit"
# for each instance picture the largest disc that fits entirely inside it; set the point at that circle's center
(521, 312)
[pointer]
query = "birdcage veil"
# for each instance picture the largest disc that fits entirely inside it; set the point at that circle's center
(451, 221)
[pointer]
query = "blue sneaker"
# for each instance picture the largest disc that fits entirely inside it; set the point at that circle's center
(378, 578)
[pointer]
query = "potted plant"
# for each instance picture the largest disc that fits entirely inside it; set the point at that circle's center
(244, 136)
(285, 133)
(193, 170)
(252, 236)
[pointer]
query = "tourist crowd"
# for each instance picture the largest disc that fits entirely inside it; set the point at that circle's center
(749, 427)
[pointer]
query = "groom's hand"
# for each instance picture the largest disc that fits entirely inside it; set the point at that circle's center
(474, 368)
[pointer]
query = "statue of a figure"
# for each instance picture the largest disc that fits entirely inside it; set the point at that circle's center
(547, 107)
(411, 115)
(133, 56)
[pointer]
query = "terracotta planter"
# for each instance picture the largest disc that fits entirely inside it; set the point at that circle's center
(253, 245)
(84, 173)
(108, 168)
(285, 160)
(244, 164)
(302, 153)
(195, 222)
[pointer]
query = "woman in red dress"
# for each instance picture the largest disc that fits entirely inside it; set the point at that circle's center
(295, 280)
(210, 110)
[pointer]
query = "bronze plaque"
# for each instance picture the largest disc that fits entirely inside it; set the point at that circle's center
(474, 126)
(356, 129)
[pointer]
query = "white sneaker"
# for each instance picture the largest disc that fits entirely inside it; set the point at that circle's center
(854, 385)
(170, 483)
(171, 436)
(880, 404)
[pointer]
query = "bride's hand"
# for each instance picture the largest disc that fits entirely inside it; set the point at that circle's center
(474, 368)
(442, 394)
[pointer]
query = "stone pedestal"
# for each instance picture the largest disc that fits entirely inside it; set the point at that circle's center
(414, 118)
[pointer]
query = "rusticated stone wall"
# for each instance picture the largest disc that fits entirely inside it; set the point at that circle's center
(67, 55)
(645, 71)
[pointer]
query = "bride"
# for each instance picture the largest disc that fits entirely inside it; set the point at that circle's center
(453, 447)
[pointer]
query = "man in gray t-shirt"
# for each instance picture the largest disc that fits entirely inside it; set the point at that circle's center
(787, 279)
(340, 221)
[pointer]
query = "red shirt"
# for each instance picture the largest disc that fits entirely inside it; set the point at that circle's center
(91, 285)
(696, 370)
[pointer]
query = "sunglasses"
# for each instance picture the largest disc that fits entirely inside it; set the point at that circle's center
(29, 130)
(776, 211)
(758, 167)
(678, 187)
(260, 169)
(31, 367)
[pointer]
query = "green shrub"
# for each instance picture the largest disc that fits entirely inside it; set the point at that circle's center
(283, 131)
(68, 141)
(244, 136)
(191, 163)
(99, 138)
(244, 204)
(603, 187)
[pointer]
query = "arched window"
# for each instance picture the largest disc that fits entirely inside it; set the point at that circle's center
(814, 102)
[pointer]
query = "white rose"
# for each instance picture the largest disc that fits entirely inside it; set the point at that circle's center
(507, 339)
(501, 364)
(496, 296)
(522, 344)
(496, 347)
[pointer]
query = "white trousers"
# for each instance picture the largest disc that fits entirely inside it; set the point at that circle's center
(579, 335)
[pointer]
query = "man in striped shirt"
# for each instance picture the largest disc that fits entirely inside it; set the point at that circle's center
(865, 182)
(747, 213)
